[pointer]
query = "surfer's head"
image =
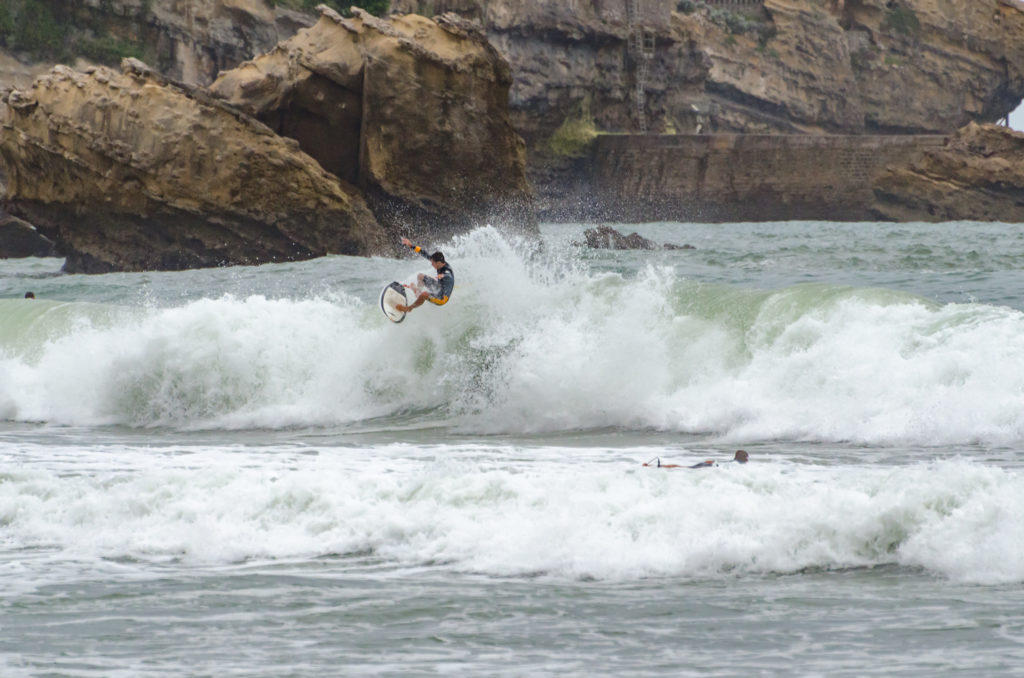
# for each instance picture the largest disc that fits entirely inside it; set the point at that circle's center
(741, 456)
(437, 259)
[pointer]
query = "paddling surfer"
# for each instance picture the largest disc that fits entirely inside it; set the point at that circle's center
(741, 457)
(435, 289)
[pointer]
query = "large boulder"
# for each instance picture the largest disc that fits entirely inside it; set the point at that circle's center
(127, 171)
(414, 111)
(978, 175)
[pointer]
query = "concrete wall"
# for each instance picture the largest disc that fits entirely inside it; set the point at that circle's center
(742, 177)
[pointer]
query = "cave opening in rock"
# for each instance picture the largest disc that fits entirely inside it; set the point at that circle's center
(1016, 119)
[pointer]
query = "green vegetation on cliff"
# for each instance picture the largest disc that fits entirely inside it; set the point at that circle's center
(902, 20)
(44, 29)
(573, 137)
(6, 23)
(49, 30)
(32, 26)
(735, 23)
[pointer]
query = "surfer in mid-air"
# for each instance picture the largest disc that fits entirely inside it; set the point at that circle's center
(435, 289)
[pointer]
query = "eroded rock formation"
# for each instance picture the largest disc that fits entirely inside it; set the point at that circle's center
(412, 110)
(919, 66)
(978, 175)
(127, 171)
(935, 65)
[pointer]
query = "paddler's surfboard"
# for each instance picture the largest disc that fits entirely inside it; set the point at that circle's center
(393, 294)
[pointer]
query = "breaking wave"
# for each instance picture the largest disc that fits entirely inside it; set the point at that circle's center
(533, 341)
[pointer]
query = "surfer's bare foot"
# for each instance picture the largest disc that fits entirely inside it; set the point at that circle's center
(400, 307)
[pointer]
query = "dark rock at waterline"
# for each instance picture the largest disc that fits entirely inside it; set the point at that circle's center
(607, 238)
(18, 239)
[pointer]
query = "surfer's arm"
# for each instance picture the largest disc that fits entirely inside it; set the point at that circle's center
(415, 248)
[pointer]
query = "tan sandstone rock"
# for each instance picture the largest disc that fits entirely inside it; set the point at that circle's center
(127, 171)
(935, 65)
(917, 66)
(978, 176)
(412, 110)
(794, 77)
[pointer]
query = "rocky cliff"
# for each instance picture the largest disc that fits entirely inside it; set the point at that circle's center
(935, 65)
(132, 170)
(842, 66)
(906, 66)
(412, 110)
(977, 175)
(126, 171)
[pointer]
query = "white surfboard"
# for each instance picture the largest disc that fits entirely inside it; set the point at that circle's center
(393, 294)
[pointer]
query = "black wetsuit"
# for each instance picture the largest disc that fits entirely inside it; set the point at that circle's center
(441, 287)
(710, 462)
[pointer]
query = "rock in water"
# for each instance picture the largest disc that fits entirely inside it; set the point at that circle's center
(607, 238)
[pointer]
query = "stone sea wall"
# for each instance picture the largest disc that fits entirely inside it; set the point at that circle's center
(732, 177)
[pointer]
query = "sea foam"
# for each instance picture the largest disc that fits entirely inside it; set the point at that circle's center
(475, 510)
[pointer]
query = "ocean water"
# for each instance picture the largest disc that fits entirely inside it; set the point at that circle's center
(251, 472)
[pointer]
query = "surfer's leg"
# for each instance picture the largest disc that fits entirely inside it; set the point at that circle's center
(419, 302)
